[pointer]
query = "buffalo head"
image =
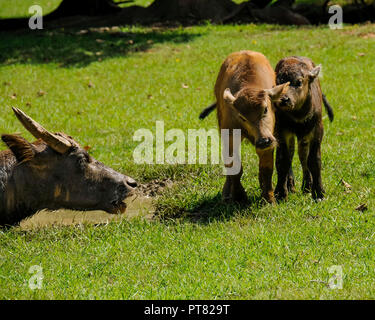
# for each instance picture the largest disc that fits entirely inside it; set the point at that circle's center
(55, 172)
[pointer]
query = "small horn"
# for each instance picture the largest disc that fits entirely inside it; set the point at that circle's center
(228, 96)
(57, 143)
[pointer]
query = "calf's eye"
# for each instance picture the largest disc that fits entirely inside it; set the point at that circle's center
(265, 110)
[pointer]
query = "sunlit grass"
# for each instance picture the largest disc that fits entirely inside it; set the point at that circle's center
(258, 251)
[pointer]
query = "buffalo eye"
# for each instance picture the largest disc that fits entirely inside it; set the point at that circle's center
(83, 159)
(298, 83)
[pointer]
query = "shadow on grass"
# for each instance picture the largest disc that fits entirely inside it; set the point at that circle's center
(78, 48)
(208, 209)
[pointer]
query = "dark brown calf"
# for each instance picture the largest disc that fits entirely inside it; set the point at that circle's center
(299, 113)
(245, 91)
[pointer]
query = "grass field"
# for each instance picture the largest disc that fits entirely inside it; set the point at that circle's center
(102, 91)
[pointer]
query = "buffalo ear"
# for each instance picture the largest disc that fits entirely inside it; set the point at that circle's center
(276, 92)
(314, 73)
(21, 148)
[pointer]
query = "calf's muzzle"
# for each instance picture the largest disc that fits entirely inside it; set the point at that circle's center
(263, 143)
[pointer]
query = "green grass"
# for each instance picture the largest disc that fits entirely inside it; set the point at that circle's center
(254, 252)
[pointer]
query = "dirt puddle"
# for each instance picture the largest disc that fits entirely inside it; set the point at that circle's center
(138, 205)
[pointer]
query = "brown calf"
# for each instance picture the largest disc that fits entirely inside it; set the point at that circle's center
(299, 113)
(245, 89)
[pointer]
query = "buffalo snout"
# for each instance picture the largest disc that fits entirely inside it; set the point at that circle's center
(125, 187)
(131, 183)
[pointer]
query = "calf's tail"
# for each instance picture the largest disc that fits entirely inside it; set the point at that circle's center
(207, 111)
(328, 108)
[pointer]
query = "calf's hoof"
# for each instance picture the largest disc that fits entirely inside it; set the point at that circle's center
(269, 197)
(318, 195)
(238, 195)
(281, 194)
(306, 186)
(306, 190)
(291, 185)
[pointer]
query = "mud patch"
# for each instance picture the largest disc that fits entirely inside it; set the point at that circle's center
(141, 204)
(154, 187)
(358, 33)
(370, 35)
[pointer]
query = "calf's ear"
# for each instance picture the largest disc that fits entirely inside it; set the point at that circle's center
(276, 92)
(314, 72)
(228, 96)
(21, 148)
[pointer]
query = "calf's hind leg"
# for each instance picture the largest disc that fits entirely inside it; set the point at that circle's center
(291, 183)
(315, 167)
(303, 153)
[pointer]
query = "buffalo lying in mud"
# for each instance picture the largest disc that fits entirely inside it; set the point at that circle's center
(54, 173)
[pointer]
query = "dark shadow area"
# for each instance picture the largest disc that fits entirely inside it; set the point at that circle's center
(99, 13)
(78, 48)
(209, 209)
(355, 12)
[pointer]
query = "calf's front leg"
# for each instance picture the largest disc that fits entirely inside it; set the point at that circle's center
(233, 189)
(291, 181)
(265, 174)
(283, 166)
(303, 153)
